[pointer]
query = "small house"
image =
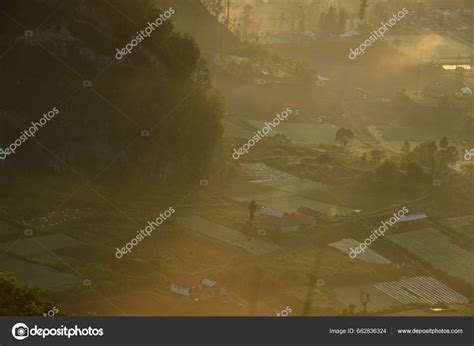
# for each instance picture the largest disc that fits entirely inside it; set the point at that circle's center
(277, 220)
(270, 218)
(212, 288)
(186, 285)
(271, 212)
(296, 222)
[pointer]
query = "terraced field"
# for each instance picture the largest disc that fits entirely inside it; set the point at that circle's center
(273, 188)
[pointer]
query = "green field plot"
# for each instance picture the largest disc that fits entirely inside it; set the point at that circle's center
(38, 275)
(227, 235)
(39, 245)
(439, 251)
(369, 256)
(231, 129)
(309, 134)
(461, 224)
(260, 173)
(271, 187)
(282, 199)
(442, 46)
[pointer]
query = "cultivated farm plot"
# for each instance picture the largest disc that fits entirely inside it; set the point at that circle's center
(368, 256)
(228, 235)
(39, 248)
(308, 134)
(439, 251)
(385, 295)
(283, 200)
(44, 277)
(351, 295)
(260, 172)
(234, 130)
(444, 46)
(273, 188)
(267, 176)
(39, 245)
(461, 224)
(420, 289)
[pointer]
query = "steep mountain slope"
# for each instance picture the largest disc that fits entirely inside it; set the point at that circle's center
(152, 110)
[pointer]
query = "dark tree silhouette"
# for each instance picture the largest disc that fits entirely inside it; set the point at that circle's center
(443, 143)
(252, 210)
(362, 9)
(344, 136)
(364, 300)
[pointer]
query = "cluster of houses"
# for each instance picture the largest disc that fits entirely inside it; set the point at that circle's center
(192, 286)
(268, 219)
(266, 73)
(275, 220)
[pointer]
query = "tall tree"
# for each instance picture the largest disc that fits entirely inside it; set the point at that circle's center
(362, 9)
(344, 136)
(448, 156)
(425, 153)
(364, 300)
(331, 20)
(405, 149)
(246, 21)
(341, 20)
(301, 19)
(443, 143)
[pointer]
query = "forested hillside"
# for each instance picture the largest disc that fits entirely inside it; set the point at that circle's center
(152, 112)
